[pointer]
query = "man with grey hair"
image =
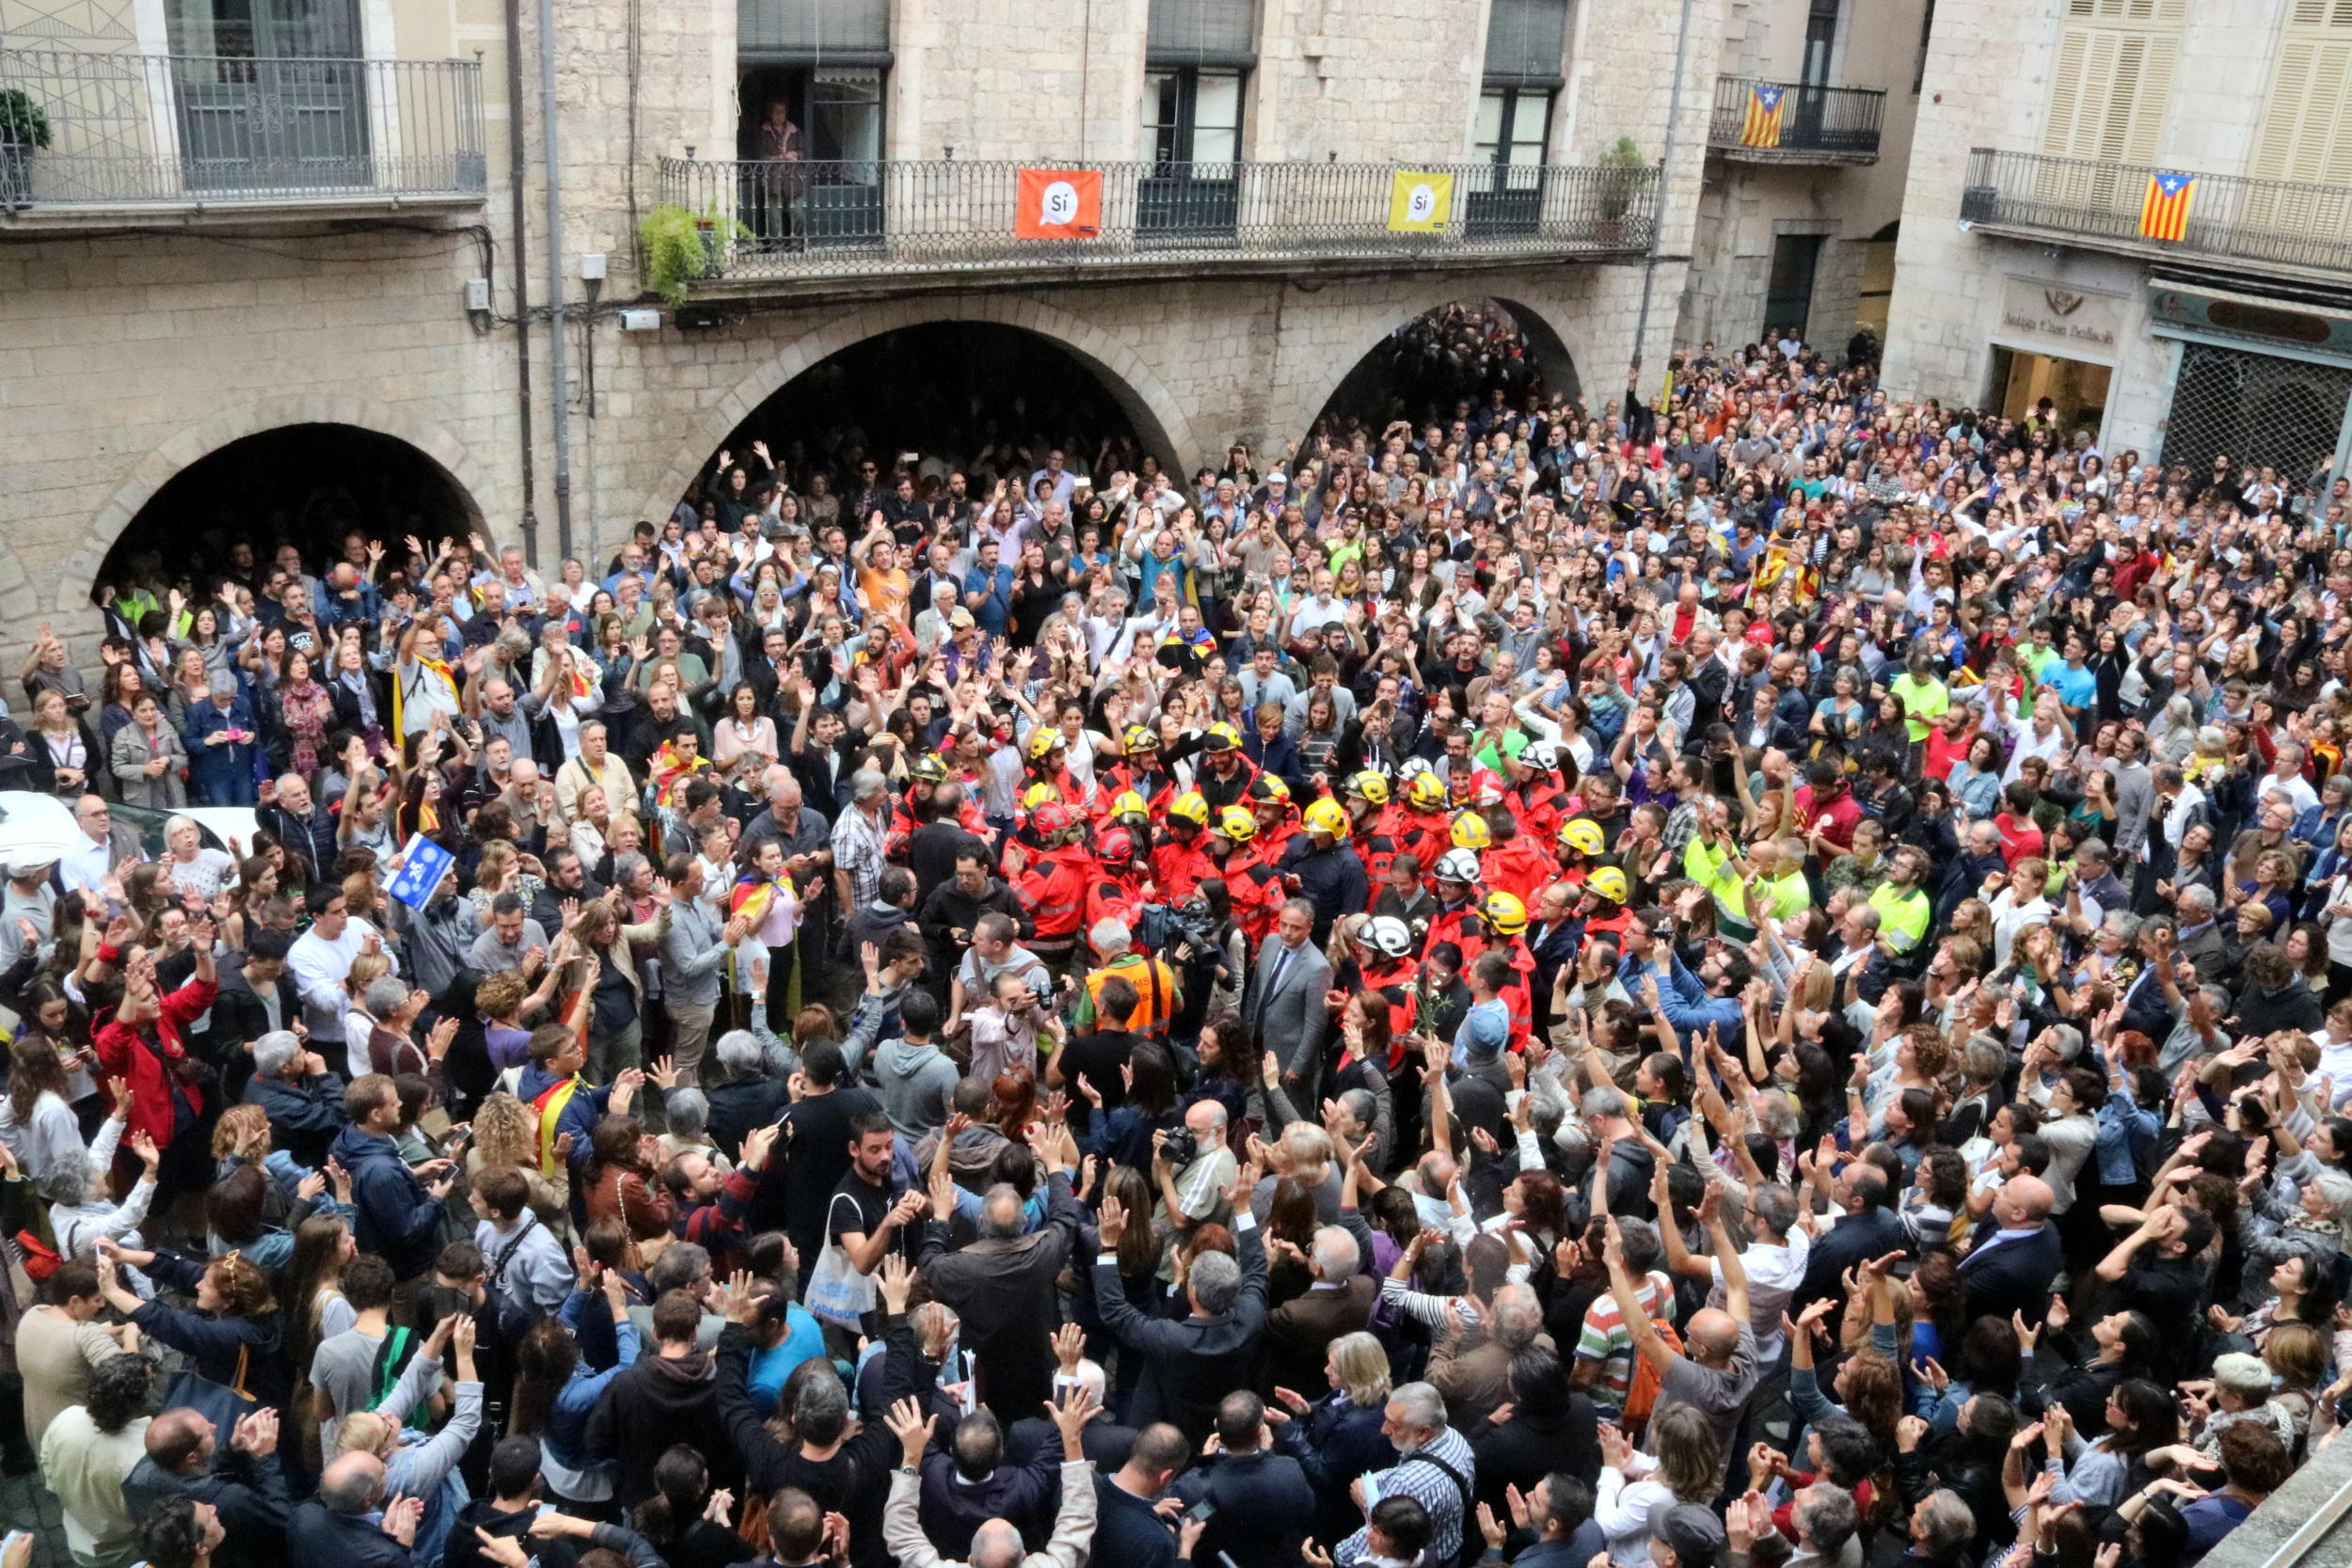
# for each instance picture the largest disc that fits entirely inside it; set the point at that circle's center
(1338, 1301)
(300, 1093)
(1003, 1284)
(1828, 1527)
(2200, 939)
(857, 840)
(1774, 1263)
(336, 1525)
(491, 699)
(1474, 1375)
(750, 1095)
(997, 1542)
(1190, 1363)
(1435, 1467)
(1607, 1117)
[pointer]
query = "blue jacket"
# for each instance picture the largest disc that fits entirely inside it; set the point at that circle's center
(579, 1117)
(398, 1218)
(1686, 1005)
(564, 1432)
(216, 1347)
(213, 768)
(2127, 1135)
(318, 1534)
(1333, 881)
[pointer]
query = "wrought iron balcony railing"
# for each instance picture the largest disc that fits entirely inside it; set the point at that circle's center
(812, 220)
(2279, 222)
(1795, 122)
(115, 130)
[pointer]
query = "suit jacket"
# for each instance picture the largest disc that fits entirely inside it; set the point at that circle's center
(2014, 1276)
(2210, 951)
(1002, 1289)
(1848, 1242)
(1289, 1018)
(1299, 1332)
(1190, 1364)
(1264, 1506)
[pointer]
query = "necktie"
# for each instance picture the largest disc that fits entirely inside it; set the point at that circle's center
(1282, 967)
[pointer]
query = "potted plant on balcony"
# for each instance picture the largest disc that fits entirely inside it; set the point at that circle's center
(680, 247)
(22, 127)
(1621, 168)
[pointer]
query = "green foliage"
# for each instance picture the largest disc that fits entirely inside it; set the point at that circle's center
(1624, 155)
(1621, 163)
(22, 120)
(680, 247)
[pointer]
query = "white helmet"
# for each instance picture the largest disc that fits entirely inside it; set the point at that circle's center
(1542, 754)
(1387, 935)
(1458, 865)
(1411, 769)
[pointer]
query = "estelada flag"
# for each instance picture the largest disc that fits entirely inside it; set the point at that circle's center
(2163, 211)
(1058, 204)
(1761, 128)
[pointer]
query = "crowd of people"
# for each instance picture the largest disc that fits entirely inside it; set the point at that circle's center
(1760, 980)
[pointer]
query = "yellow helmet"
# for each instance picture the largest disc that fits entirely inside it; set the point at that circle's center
(1582, 835)
(1609, 883)
(1469, 831)
(1139, 738)
(1328, 816)
(1038, 794)
(1505, 915)
(1045, 741)
(1236, 823)
(1189, 807)
(1371, 785)
(1222, 736)
(1267, 790)
(1128, 804)
(1425, 793)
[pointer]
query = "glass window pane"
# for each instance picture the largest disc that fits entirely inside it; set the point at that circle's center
(1491, 115)
(1217, 117)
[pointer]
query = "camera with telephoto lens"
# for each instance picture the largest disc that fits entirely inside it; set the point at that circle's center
(1160, 929)
(1182, 1148)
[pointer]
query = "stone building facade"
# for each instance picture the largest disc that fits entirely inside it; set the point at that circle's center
(136, 336)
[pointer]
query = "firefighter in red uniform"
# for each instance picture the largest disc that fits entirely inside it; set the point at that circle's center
(1505, 919)
(1119, 886)
(1581, 848)
(1253, 883)
(1181, 858)
(1054, 885)
(1384, 952)
(1534, 799)
(1372, 823)
(1278, 819)
(1225, 775)
(1048, 753)
(1033, 800)
(928, 773)
(1605, 911)
(1425, 829)
(1456, 920)
(1520, 863)
(1139, 770)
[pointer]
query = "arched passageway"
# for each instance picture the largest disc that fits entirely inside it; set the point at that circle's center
(309, 485)
(1459, 353)
(982, 399)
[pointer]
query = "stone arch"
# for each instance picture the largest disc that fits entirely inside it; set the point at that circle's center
(1160, 421)
(1317, 378)
(467, 474)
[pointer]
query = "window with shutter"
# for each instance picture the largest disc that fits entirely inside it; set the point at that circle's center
(848, 32)
(2109, 88)
(1525, 42)
(1201, 33)
(2306, 131)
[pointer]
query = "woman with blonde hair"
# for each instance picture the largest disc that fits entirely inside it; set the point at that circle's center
(1338, 1438)
(506, 1133)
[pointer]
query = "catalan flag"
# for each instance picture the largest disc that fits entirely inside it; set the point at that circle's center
(2163, 211)
(1762, 126)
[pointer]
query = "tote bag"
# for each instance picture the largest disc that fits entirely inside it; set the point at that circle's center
(837, 1294)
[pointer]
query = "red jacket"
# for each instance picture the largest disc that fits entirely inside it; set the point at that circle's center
(1522, 868)
(124, 1053)
(1177, 866)
(1053, 887)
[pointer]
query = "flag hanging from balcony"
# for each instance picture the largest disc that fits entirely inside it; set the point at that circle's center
(1420, 202)
(1058, 204)
(1762, 126)
(2163, 211)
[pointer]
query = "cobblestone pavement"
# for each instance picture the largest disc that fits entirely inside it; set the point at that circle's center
(27, 1504)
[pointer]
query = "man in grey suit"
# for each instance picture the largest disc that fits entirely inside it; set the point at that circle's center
(1284, 1011)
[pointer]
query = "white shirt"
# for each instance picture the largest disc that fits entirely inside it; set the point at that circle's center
(2032, 743)
(1773, 1274)
(2296, 787)
(85, 866)
(320, 967)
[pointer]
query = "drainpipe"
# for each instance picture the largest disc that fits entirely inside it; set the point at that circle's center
(559, 392)
(516, 163)
(1657, 218)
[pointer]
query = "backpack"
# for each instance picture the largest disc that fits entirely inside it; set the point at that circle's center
(1641, 1397)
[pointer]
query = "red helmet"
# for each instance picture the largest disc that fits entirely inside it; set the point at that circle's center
(1114, 844)
(1051, 818)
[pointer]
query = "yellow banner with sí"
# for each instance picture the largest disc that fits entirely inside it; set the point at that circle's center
(1420, 202)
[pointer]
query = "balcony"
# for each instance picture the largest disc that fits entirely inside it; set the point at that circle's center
(105, 140)
(771, 227)
(1817, 124)
(2275, 224)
